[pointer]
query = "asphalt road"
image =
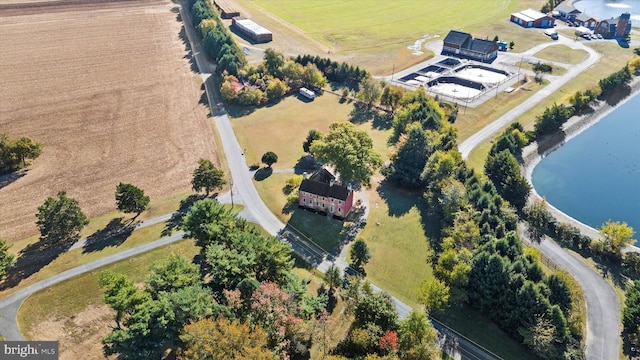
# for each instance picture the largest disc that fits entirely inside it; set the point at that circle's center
(603, 308)
(485, 133)
(602, 303)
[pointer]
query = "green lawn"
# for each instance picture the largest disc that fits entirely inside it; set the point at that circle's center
(398, 242)
(375, 34)
(67, 298)
(103, 248)
(563, 54)
(283, 127)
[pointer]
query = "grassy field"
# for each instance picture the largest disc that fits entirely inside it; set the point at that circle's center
(563, 54)
(73, 311)
(471, 120)
(398, 237)
(283, 127)
(376, 34)
(100, 249)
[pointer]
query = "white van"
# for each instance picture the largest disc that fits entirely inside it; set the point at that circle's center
(307, 93)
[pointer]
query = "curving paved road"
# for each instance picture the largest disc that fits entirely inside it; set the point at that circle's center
(603, 307)
(242, 191)
(600, 344)
(485, 133)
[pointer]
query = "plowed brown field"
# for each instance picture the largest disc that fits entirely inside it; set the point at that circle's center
(107, 86)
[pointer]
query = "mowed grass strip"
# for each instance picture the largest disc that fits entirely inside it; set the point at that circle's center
(398, 242)
(76, 257)
(563, 54)
(613, 59)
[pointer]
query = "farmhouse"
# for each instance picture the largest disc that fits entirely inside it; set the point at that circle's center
(532, 18)
(464, 45)
(567, 12)
(615, 28)
(320, 192)
(226, 10)
(254, 31)
(586, 20)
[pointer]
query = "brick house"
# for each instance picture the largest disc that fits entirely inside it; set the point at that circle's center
(619, 27)
(321, 192)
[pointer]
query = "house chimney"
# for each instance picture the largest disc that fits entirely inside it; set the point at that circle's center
(331, 182)
(304, 175)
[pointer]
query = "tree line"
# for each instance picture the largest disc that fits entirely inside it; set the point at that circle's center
(217, 43)
(552, 118)
(334, 71)
(14, 153)
(550, 5)
(242, 300)
(270, 80)
(478, 260)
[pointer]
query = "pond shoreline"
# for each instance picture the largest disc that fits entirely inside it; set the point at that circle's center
(533, 153)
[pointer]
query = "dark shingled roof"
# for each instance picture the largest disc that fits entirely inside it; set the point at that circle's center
(483, 46)
(584, 17)
(565, 8)
(320, 184)
(457, 37)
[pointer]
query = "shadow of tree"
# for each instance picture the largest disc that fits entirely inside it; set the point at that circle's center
(113, 234)
(175, 223)
(399, 202)
(551, 141)
(262, 173)
(361, 114)
(306, 163)
(397, 205)
(611, 267)
(9, 178)
(33, 258)
(613, 98)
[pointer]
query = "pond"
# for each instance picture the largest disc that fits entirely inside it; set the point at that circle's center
(596, 176)
(606, 9)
